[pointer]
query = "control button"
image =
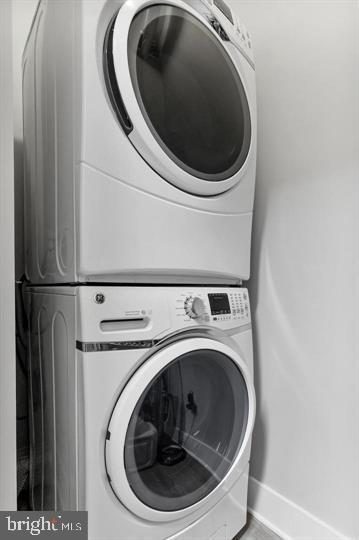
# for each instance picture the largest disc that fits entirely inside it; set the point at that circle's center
(194, 307)
(198, 307)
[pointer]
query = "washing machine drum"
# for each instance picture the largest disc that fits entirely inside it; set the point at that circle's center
(179, 429)
(178, 95)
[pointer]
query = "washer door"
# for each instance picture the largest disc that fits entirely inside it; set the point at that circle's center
(179, 429)
(179, 95)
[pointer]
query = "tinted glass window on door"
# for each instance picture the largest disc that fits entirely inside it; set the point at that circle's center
(186, 430)
(189, 91)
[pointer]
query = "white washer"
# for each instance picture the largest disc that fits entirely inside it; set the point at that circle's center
(140, 142)
(142, 408)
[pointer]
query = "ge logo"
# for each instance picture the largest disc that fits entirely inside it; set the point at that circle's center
(99, 298)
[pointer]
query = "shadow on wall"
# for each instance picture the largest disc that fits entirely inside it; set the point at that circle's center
(258, 459)
(22, 421)
(19, 207)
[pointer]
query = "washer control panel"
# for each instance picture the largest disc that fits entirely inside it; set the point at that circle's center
(214, 305)
(134, 316)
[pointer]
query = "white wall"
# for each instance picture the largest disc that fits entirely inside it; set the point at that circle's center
(7, 313)
(305, 266)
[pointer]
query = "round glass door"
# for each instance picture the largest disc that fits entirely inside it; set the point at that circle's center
(189, 91)
(179, 95)
(186, 430)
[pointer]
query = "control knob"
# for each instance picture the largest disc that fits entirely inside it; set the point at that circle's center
(194, 307)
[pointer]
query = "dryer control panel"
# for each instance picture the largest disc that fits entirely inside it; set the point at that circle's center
(224, 21)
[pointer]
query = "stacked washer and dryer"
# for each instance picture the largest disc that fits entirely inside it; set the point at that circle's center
(140, 152)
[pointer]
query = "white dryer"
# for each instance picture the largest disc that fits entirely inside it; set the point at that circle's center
(142, 408)
(140, 142)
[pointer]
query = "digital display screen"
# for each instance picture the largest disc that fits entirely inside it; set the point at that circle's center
(222, 6)
(219, 303)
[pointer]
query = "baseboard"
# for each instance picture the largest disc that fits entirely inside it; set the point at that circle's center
(285, 518)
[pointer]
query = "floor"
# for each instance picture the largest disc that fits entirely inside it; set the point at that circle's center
(256, 531)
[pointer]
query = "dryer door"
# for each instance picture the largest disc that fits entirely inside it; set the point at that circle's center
(180, 428)
(179, 95)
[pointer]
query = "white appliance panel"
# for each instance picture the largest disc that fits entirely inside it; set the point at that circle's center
(87, 344)
(97, 208)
